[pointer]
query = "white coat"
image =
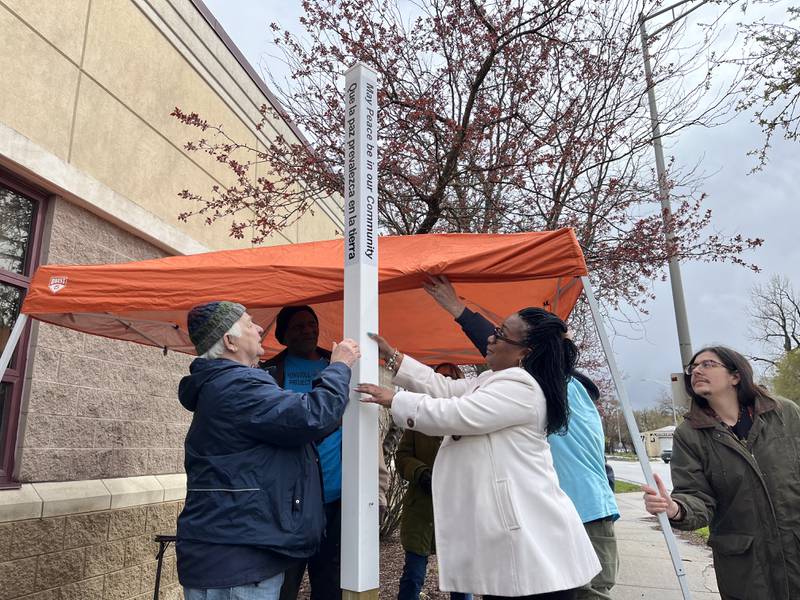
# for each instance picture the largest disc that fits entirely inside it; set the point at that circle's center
(503, 525)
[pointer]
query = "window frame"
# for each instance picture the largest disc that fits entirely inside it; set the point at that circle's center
(15, 376)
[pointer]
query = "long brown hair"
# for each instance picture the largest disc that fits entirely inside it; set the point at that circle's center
(747, 389)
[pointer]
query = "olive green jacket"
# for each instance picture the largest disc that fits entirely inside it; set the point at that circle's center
(748, 493)
(415, 454)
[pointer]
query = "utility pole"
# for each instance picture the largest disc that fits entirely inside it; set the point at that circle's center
(678, 300)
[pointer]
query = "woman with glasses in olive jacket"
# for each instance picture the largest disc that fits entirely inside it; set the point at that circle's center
(736, 468)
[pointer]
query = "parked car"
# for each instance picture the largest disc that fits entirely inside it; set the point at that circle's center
(666, 455)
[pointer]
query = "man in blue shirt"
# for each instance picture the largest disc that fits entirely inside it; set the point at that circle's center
(578, 455)
(297, 328)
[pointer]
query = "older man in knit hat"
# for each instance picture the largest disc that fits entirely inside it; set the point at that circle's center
(254, 505)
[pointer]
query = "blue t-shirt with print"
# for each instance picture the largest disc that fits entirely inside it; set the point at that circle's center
(579, 458)
(299, 373)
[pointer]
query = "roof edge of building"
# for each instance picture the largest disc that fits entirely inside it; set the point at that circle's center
(217, 27)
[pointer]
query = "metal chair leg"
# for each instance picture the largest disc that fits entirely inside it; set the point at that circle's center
(163, 543)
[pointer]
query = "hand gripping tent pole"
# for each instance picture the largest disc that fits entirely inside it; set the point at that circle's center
(360, 546)
(622, 394)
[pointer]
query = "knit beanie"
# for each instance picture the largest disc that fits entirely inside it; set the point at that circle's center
(286, 314)
(209, 322)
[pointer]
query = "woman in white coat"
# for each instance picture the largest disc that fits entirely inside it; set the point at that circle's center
(503, 526)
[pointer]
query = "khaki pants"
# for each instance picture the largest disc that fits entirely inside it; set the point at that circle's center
(605, 545)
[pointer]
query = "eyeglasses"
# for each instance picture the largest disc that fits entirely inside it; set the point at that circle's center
(499, 335)
(703, 364)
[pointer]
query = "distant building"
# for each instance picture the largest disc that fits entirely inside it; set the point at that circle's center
(91, 433)
(658, 440)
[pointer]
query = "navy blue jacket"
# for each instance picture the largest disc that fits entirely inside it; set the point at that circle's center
(253, 476)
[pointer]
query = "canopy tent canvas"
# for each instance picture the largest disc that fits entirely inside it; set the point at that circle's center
(147, 301)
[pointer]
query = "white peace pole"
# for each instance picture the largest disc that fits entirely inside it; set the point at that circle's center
(359, 455)
(633, 428)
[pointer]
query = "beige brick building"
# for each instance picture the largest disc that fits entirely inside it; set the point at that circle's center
(91, 163)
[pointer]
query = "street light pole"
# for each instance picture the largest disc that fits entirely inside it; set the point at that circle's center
(678, 300)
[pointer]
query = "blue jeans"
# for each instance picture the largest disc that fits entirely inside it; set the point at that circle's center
(414, 576)
(268, 589)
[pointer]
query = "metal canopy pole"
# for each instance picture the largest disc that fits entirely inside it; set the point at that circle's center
(11, 344)
(627, 410)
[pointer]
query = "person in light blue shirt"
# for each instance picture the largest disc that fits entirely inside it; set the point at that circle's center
(299, 373)
(295, 369)
(579, 461)
(578, 455)
(297, 327)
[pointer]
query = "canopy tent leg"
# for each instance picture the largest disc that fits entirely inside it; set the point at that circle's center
(627, 410)
(11, 344)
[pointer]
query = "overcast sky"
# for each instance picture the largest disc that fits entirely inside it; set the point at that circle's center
(763, 205)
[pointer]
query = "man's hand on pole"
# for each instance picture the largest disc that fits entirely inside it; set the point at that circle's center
(346, 351)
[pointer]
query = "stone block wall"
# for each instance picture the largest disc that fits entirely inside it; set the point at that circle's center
(103, 555)
(98, 408)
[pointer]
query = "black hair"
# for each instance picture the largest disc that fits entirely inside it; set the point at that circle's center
(286, 314)
(551, 361)
(747, 390)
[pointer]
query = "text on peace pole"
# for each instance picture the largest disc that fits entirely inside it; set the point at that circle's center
(369, 198)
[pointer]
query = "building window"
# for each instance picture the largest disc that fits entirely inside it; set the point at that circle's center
(21, 215)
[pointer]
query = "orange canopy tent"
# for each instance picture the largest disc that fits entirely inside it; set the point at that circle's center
(147, 301)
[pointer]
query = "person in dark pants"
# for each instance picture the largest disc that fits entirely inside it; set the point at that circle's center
(243, 526)
(414, 461)
(297, 328)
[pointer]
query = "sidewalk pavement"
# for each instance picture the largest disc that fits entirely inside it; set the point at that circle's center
(645, 569)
